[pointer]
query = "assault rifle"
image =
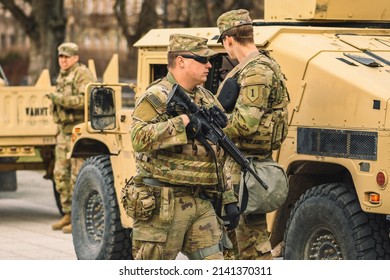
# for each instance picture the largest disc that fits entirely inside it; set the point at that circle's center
(208, 124)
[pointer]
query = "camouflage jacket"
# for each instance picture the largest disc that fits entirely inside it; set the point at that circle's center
(68, 100)
(160, 140)
(253, 122)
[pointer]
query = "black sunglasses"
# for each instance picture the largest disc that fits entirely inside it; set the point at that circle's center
(221, 39)
(200, 59)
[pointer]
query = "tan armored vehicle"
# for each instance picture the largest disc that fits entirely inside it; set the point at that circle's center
(336, 56)
(27, 134)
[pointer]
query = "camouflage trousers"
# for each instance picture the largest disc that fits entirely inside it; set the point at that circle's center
(250, 239)
(65, 171)
(192, 229)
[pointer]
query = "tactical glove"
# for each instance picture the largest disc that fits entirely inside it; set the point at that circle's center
(232, 216)
(218, 116)
(193, 127)
(56, 98)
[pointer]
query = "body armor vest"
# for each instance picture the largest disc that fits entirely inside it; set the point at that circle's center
(273, 126)
(189, 164)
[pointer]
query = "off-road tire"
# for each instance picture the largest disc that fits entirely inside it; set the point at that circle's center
(327, 222)
(96, 225)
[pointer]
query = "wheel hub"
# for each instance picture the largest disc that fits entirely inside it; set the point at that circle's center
(324, 246)
(94, 219)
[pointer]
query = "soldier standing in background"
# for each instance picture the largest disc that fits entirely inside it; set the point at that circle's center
(68, 110)
(177, 176)
(262, 90)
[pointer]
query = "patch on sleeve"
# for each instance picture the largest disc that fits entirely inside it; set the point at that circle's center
(252, 92)
(154, 100)
(255, 86)
(145, 110)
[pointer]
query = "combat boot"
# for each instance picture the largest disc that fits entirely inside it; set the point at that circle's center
(67, 229)
(65, 220)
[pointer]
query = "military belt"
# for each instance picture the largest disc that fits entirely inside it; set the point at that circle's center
(179, 190)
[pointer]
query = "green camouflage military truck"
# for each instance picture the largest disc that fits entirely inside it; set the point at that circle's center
(335, 55)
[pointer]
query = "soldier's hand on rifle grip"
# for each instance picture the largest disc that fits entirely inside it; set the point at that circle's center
(193, 128)
(219, 116)
(56, 98)
(233, 216)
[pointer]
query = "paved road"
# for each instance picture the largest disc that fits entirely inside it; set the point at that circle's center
(25, 222)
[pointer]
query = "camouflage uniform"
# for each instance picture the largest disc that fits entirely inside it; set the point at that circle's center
(68, 110)
(176, 175)
(260, 80)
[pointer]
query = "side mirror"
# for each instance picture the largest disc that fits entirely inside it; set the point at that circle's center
(102, 108)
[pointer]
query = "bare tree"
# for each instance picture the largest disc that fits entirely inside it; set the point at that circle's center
(197, 13)
(203, 13)
(44, 22)
(147, 19)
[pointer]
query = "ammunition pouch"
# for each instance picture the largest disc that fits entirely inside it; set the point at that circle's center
(270, 134)
(66, 116)
(138, 199)
(165, 194)
(167, 205)
(280, 128)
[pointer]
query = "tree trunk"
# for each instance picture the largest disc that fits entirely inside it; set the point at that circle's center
(147, 20)
(45, 26)
(51, 24)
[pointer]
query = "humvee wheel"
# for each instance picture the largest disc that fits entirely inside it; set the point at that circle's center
(96, 226)
(328, 223)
